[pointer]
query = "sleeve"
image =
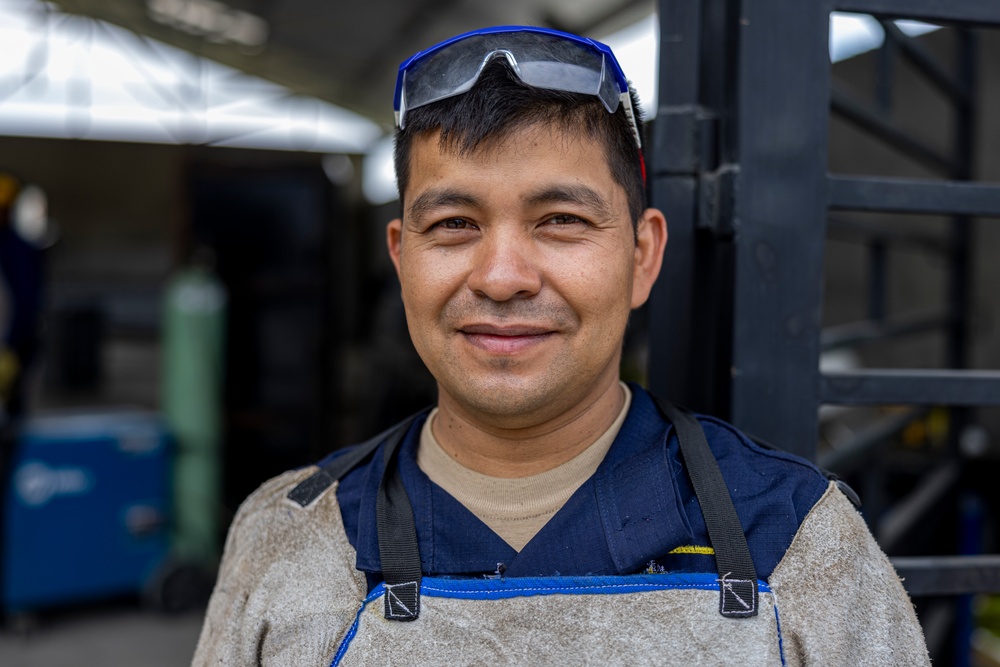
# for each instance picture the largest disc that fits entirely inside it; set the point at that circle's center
(839, 599)
(288, 590)
(229, 635)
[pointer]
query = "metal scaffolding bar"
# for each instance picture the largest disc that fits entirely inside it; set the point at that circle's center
(926, 64)
(782, 91)
(688, 361)
(845, 459)
(920, 196)
(855, 333)
(905, 515)
(882, 128)
(949, 575)
(911, 387)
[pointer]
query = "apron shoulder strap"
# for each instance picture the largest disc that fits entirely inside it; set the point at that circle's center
(397, 533)
(313, 486)
(737, 574)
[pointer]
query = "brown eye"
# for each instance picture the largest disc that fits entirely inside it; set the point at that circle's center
(454, 223)
(563, 219)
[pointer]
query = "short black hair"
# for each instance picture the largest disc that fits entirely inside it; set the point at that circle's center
(500, 103)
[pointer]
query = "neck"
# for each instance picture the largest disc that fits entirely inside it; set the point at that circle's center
(497, 450)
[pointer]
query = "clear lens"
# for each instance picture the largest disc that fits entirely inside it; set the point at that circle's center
(540, 60)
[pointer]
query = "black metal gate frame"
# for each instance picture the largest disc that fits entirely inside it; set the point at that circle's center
(739, 166)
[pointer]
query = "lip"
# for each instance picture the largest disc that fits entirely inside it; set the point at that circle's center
(505, 338)
(487, 329)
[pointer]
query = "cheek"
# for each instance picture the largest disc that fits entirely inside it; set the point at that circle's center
(601, 282)
(600, 295)
(427, 282)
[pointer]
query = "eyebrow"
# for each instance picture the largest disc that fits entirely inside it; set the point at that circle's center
(439, 198)
(570, 194)
(556, 194)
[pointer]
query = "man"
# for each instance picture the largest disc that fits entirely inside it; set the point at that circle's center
(544, 512)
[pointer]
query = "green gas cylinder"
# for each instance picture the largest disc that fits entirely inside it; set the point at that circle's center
(193, 367)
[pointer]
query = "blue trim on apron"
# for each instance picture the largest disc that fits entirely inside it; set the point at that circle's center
(504, 588)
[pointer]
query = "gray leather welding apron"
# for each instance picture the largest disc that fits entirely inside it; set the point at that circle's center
(727, 617)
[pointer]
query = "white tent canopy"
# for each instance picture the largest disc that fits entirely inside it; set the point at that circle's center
(73, 77)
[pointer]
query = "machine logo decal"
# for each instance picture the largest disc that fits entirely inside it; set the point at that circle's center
(37, 483)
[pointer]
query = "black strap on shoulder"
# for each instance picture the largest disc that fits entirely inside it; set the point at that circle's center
(397, 533)
(313, 486)
(737, 574)
(398, 549)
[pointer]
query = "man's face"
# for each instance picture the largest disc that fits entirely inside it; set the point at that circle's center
(519, 268)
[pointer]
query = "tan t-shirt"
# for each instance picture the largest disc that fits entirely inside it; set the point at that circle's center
(514, 508)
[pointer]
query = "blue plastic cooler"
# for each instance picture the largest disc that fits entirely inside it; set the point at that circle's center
(85, 511)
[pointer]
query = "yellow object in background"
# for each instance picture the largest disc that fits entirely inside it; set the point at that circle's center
(9, 188)
(9, 368)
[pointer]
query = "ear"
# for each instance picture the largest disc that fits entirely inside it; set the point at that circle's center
(651, 239)
(393, 238)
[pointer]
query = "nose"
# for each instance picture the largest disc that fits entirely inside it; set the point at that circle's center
(506, 267)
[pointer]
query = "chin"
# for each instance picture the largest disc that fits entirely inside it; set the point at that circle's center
(504, 400)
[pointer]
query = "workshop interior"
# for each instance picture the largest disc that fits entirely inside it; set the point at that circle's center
(195, 294)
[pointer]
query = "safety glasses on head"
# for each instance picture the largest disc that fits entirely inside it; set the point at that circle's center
(538, 56)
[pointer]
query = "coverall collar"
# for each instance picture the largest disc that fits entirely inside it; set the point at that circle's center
(628, 509)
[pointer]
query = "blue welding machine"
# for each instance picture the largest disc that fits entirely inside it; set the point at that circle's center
(85, 508)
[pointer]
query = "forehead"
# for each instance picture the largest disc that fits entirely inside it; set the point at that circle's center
(526, 158)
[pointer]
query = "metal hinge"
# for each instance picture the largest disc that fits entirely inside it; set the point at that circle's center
(716, 197)
(684, 140)
(685, 143)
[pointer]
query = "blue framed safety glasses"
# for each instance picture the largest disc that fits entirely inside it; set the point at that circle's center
(538, 56)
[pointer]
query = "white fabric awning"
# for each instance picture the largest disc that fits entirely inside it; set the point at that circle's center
(73, 77)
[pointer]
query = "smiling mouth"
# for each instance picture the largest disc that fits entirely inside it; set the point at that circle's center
(507, 339)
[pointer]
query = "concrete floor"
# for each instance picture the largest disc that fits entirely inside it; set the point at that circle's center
(116, 634)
